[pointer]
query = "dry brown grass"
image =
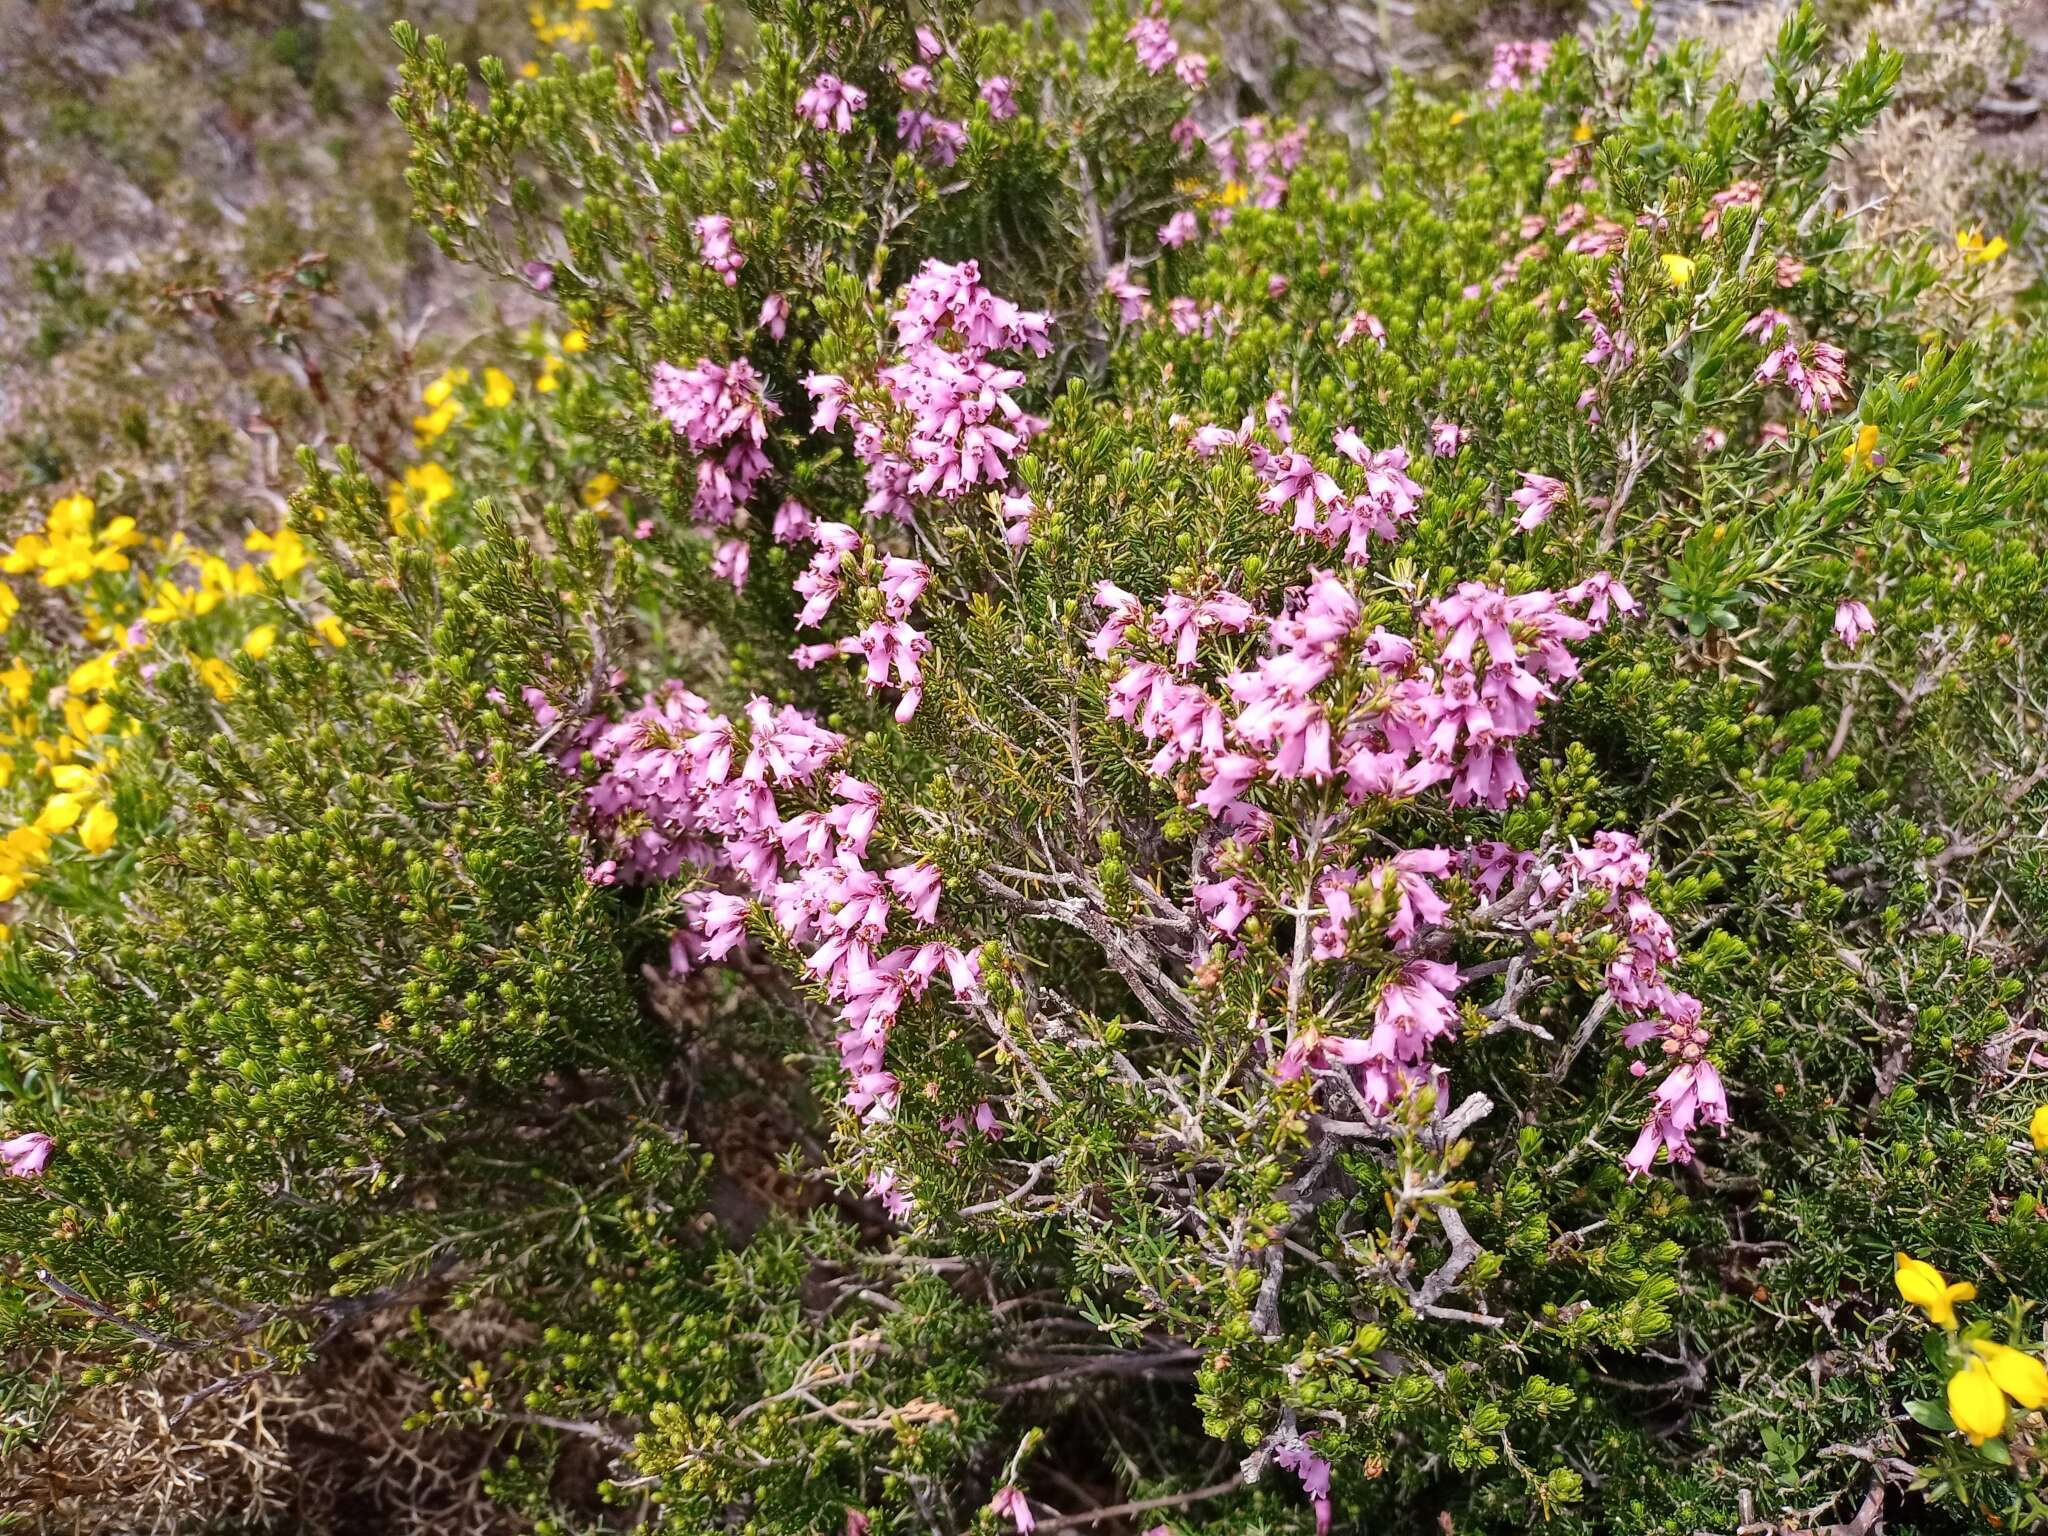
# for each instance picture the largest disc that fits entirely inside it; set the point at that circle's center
(325, 1452)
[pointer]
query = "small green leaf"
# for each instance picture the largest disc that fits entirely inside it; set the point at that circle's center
(1931, 1414)
(1935, 1346)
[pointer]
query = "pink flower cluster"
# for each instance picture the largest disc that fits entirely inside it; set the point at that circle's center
(1817, 374)
(1607, 879)
(892, 649)
(1538, 497)
(1153, 41)
(1737, 194)
(1382, 501)
(1497, 659)
(1598, 886)
(828, 104)
(1266, 163)
(1000, 92)
(960, 422)
(716, 249)
(1453, 719)
(1009, 1503)
(1517, 64)
(938, 139)
(1853, 623)
(720, 411)
(24, 1156)
(1314, 1473)
(681, 785)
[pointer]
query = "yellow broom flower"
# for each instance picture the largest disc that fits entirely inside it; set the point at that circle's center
(1975, 1403)
(1926, 1288)
(2019, 1375)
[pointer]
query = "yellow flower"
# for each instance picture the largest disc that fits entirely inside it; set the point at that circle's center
(218, 676)
(430, 426)
(1926, 1288)
(1978, 251)
(84, 720)
(286, 549)
(94, 675)
(176, 602)
(1459, 117)
(547, 383)
(2020, 1376)
(430, 483)
(258, 641)
(70, 517)
(574, 341)
(17, 680)
(439, 392)
(498, 388)
(530, 70)
(1975, 1403)
(330, 630)
(71, 776)
(25, 555)
(224, 580)
(600, 487)
(1858, 453)
(1678, 270)
(60, 814)
(20, 851)
(10, 605)
(2036, 1127)
(1583, 133)
(97, 831)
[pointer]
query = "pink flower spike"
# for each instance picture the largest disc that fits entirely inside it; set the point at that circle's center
(1154, 43)
(715, 246)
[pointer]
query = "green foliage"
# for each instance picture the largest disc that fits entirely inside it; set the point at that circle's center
(370, 1025)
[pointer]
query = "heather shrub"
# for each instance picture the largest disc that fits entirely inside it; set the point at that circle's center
(1078, 812)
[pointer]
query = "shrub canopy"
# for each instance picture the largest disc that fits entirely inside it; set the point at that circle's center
(1077, 810)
